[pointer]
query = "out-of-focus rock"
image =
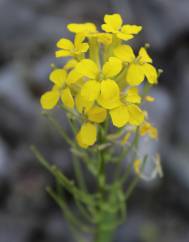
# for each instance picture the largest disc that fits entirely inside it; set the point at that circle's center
(14, 228)
(56, 229)
(18, 109)
(163, 20)
(87, 10)
(178, 163)
(160, 114)
(4, 160)
(181, 121)
(161, 110)
(14, 89)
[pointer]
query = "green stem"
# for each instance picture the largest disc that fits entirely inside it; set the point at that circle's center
(124, 154)
(73, 220)
(134, 145)
(104, 230)
(59, 128)
(79, 174)
(102, 235)
(76, 162)
(84, 197)
(94, 51)
(101, 173)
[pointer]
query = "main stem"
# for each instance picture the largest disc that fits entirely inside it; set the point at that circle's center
(102, 234)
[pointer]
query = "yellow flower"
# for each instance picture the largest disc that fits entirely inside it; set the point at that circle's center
(89, 68)
(113, 24)
(90, 31)
(106, 93)
(120, 113)
(91, 89)
(126, 114)
(148, 129)
(59, 91)
(139, 67)
(87, 135)
(109, 94)
(72, 49)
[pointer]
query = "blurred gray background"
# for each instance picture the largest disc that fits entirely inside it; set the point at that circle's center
(29, 29)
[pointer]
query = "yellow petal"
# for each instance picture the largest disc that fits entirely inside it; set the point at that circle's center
(131, 29)
(124, 36)
(110, 94)
(112, 67)
(67, 98)
(97, 114)
(49, 99)
(81, 28)
(126, 138)
(149, 99)
(128, 31)
(144, 128)
(87, 68)
(87, 134)
(80, 141)
(65, 44)
(109, 89)
(148, 129)
(144, 57)
(153, 133)
(63, 53)
(124, 53)
(73, 77)
(150, 73)
(90, 90)
(133, 95)
(109, 103)
(58, 77)
(119, 116)
(82, 105)
(135, 75)
(113, 23)
(137, 166)
(136, 115)
(70, 64)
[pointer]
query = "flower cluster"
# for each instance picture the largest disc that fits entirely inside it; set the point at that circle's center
(102, 78)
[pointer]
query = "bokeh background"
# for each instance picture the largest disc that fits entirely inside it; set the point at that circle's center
(29, 29)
